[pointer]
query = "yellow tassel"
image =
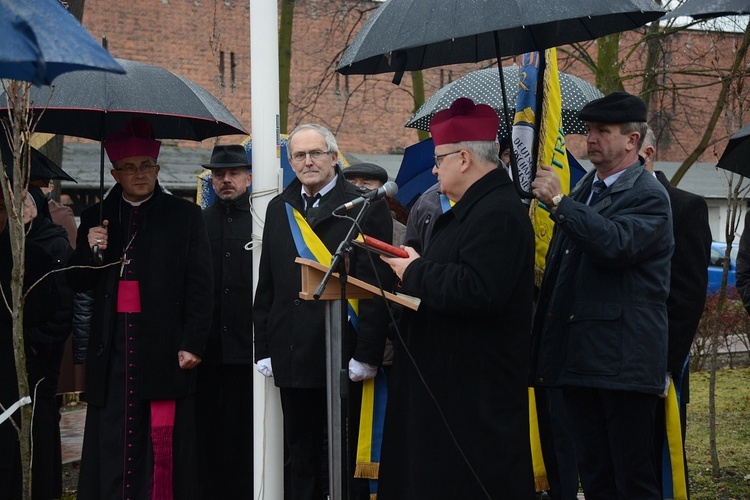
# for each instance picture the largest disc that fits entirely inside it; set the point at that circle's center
(367, 470)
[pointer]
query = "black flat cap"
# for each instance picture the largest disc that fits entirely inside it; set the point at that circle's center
(231, 156)
(368, 171)
(617, 107)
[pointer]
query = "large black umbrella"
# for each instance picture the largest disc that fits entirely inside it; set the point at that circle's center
(40, 40)
(409, 35)
(483, 86)
(92, 104)
(706, 9)
(735, 156)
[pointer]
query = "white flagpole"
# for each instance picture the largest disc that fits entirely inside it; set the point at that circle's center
(268, 454)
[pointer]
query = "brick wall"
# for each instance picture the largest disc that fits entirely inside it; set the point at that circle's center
(367, 113)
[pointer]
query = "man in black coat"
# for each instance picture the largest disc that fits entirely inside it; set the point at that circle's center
(153, 292)
(290, 332)
(457, 420)
(687, 288)
(224, 399)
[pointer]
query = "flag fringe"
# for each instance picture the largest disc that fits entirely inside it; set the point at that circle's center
(367, 470)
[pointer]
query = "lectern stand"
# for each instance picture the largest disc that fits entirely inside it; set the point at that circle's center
(337, 375)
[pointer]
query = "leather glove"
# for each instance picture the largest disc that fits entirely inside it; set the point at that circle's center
(264, 367)
(667, 381)
(361, 371)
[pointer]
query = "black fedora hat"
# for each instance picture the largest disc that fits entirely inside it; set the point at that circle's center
(231, 156)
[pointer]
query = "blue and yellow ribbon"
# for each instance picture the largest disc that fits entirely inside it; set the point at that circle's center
(674, 482)
(374, 390)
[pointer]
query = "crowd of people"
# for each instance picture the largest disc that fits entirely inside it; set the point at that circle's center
(173, 332)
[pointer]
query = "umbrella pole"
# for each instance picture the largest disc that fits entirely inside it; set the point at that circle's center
(98, 254)
(513, 161)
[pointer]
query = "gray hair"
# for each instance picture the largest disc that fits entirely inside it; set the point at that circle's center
(649, 139)
(487, 151)
(640, 127)
(327, 135)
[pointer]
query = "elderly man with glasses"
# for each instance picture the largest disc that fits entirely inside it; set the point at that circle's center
(457, 421)
(289, 332)
(153, 288)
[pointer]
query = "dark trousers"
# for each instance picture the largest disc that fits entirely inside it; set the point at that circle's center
(224, 430)
(614, 433)
(558, 447)
(305, 439)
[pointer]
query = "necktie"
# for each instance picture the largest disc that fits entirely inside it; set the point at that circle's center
(310, 201)
(597, 189)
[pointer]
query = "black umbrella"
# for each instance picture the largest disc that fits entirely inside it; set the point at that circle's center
(92, 104)
(735, 156)
(42, 168)
(483, 86)
(706, 9)
(409, 35)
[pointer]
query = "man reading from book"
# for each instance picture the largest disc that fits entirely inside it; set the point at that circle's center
(463, 355)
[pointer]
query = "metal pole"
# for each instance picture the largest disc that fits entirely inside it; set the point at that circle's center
(268, 455)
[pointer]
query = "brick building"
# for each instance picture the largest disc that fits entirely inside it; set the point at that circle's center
(208, 41)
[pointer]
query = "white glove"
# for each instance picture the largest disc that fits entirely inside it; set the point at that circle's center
(667, 381)
(264, 367)
(361, 371)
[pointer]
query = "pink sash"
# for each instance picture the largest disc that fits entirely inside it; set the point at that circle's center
(162, 426)
(128, 297)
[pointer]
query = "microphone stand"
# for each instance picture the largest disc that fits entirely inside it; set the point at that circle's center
(338, 369)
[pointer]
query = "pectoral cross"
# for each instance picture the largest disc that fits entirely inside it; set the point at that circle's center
(125, 261)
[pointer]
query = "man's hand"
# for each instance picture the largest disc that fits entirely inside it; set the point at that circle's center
(546, 185)
(264, 367)
(98, 236)
(399, 265)
(188, 360)
(361, 371)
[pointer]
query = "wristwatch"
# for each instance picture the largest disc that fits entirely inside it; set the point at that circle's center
(557, 199)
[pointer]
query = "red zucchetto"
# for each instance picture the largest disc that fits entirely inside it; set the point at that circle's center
(464, 121)
(134, 139)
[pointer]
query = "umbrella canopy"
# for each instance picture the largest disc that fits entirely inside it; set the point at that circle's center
(483, 86)
(92, 104)
(408, 35)
(40, 40)
(42, 168)
(734, 157)
(415, 173)
(706, 9)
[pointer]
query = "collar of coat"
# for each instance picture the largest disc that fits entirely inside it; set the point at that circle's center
(491, 180)
(625, 182)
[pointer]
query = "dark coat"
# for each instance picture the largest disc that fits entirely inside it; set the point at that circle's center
(230, 228)
(176, 283)
(291, 331)
(601, 320)
(743, 265)
(470, 339)
(688, 281)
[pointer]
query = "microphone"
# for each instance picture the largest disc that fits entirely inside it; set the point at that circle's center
(388, 189)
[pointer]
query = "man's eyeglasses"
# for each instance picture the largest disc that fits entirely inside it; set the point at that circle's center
(314, 155)
(439, 157)
(145, 168)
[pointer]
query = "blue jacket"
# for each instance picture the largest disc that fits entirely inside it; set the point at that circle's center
(601, 319)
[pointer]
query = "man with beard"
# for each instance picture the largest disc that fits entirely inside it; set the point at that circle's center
(224, 399)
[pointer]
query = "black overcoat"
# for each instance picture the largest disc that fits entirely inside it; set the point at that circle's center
(470, 339)
(291, 331)
(176, 285)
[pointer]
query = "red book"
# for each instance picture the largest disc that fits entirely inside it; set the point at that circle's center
(379, 247)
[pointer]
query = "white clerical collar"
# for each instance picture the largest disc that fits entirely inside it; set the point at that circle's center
(136, 203)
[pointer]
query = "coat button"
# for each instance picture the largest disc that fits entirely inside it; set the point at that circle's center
(225, 328)
(226, 291)
(229, 219)
(226, 254)
(297, 302)
(540, 380)
(572, 317)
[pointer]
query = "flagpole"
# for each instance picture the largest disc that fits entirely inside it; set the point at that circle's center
(268, 455)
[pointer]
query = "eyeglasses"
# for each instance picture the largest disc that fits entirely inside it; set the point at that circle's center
(438, 157)
(145, 168)
(314, 155)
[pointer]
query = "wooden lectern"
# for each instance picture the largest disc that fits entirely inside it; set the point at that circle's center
(337, 375)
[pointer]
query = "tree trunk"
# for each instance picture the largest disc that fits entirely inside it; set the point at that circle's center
(18, 100)
(608, 77)
(417, 83)
(718, 109)
(285, 61)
